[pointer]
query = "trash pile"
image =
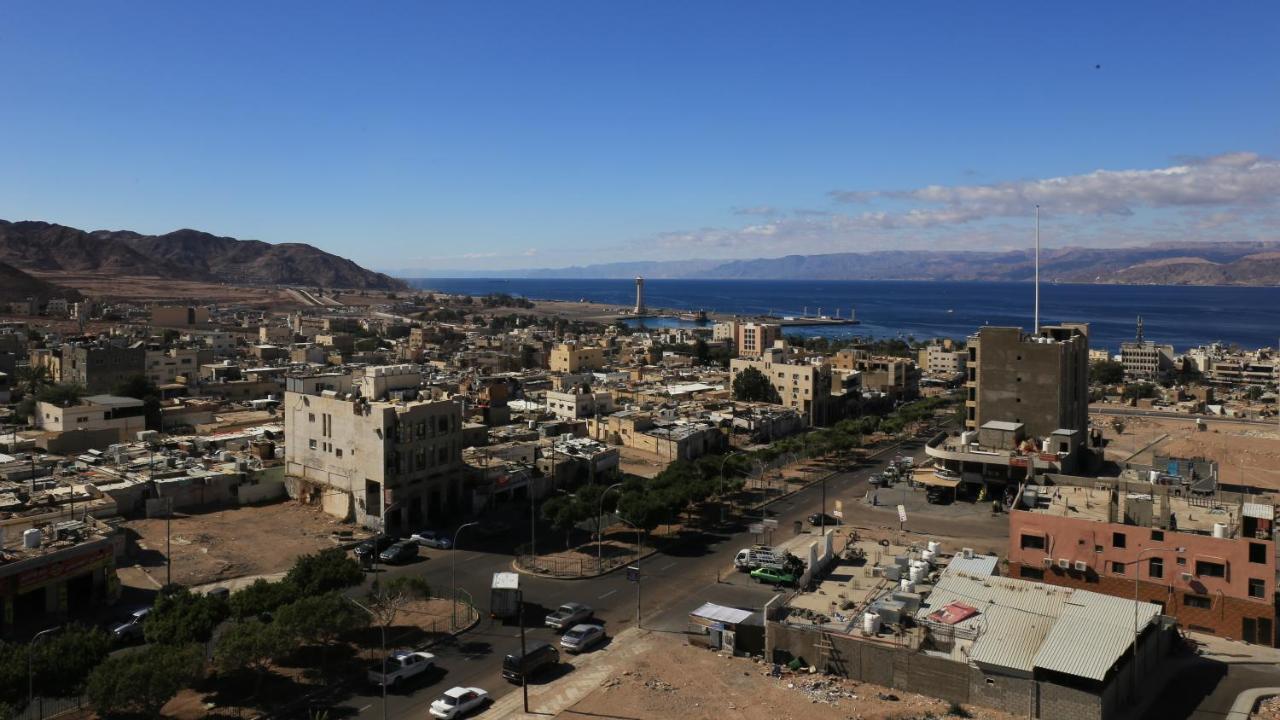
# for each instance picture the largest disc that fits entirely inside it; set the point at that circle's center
(1268, 709)
(823, 689)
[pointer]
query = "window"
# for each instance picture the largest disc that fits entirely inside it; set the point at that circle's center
(1032, 542)
(311, 417)
(1210, 569)
(1155, 568)
(1258, 553)
(337, 452)
(1117, 540)
(1097, 548)
(1257, 588)
(1197, 601)
(1157, 535)
(1117, 568)
(1031, 573)
(311, 443)
(1182, 561)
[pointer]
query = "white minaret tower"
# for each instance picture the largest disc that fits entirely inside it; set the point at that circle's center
(640, 310)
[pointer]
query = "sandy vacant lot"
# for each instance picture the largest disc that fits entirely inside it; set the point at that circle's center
(1243, 450)
(143, 289)
(672, 679)
(216, 546)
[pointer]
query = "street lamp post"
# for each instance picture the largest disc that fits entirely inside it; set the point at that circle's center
(599, 531)
(30, 652)
(383, 628)
(453, 573)
(1137, 571)
(639, 550)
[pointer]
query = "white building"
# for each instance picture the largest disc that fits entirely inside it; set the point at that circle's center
(125, 415)
(579, 405)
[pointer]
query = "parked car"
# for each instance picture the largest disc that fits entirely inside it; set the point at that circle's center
(516, 667)
(817, 519)
(401, 552)
(458, 701)
(401, 666)
(369, 549)
(581, 638)
(432, 539)
(777, 576)
(568, 615)
(131, 630)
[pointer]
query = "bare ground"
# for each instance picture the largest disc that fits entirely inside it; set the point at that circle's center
(1243, 450)
(144, 289)
(224, 544)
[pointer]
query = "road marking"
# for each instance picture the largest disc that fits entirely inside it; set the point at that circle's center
(606, 594)
(366, 707)
(666, 567)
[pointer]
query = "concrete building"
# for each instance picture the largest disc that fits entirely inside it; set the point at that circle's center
(753, 339)
(1040, 381)
(179, 316)
(125, 417)
(943, 359)
(802, 386)
(1145, 360)
(366, 458)
(896, 377)
(572, 358)
(165, 367)
(100, 368)
(69, 573)
(725, 331)
(578, 405)
(1207, 560)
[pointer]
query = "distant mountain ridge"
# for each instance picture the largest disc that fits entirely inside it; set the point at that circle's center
(1192, 263)
(44, 247)
(17, 285)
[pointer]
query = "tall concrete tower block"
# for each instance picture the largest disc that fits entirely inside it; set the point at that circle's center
(640, 310)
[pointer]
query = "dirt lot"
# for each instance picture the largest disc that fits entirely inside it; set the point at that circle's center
(216, 546)
(1241, 449)
(673, 679)
(141, 289)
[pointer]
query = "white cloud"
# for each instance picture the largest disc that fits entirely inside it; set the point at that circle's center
(757, 210)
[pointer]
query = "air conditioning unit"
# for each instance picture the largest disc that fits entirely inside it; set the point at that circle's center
(1064, 563)
(1082, 566)
(1187, 577)
(1048, 562)
(966, 553)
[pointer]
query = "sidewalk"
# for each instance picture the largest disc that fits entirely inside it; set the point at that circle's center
(591, 670)
(1221, 650)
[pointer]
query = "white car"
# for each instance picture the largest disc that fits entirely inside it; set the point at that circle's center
(458, 701)
(432, 539)
(401, 666)
(581, 638)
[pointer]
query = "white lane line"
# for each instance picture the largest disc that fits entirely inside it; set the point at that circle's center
(666, 567)
(606, 594)
(366, 707)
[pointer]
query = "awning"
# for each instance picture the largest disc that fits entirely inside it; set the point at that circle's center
(936, 481)
(720, 613)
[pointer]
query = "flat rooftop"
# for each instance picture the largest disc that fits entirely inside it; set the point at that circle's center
(1091, 503)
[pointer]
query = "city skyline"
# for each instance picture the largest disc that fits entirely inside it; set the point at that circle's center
(412, 137)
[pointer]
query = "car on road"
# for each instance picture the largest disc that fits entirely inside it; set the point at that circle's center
(516, 667)
(369, 549)
(777, 576)
(581, 638)
(432, 539)
(401, 552)
(817, 519)
(401, 665)
(568, 615)
(458, 701)
(131, 630)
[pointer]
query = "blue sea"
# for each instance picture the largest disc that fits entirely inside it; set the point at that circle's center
(1184, 317)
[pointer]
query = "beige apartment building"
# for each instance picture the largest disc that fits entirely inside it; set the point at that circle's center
(179, 316)
(896, 377)
(801, 386)
(943, 359)
(125, 416)
(755, 338)
(1145, 360)
(1039, 381)
(166, 367)
(370, 459)
(570, 357)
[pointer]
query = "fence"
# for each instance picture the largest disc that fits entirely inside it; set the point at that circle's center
(42, 707)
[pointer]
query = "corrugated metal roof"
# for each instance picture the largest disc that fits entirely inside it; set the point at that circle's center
(720, 613)
(1259, 511)
(1093, 632)
(1011, 639)
(979, 565)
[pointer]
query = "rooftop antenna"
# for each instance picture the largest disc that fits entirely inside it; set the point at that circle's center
(1139, 328)
(1037, 269)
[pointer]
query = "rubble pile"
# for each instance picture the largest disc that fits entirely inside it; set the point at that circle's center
(1268, 709)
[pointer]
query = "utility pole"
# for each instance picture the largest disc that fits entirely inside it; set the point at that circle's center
(381, 626)
(524, 675)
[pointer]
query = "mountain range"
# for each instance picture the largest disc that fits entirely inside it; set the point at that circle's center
(1193, 263)
(17, 285)
(45, 248)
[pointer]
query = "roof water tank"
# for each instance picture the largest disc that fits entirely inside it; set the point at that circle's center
(31, 538)
(871, 623)
(934, 546)
(905, 585)
(928, 556)
(917, 574)
(1220, 530)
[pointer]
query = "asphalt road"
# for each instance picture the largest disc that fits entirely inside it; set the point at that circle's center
(674, 582)
(1136, 412)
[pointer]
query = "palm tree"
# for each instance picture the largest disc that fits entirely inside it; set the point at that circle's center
(32, 378)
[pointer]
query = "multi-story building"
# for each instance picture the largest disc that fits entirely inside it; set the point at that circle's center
(382, 462)
(179, 316)
(896, 377)
(124, 416)
(1207, 559)
(1145, 360)
(943, 359)
(578, 405)
(1040, 381)
(726, 330)
(754, 339)
(165, 367)
(100, 368)
(803, 386)
(571, 357)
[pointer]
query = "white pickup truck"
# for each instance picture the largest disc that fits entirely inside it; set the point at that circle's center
(754, 558)
(401, 665)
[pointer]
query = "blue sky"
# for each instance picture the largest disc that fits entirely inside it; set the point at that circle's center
(421, 135)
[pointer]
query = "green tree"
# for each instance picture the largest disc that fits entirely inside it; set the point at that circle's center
(320, 618)
(1106, 372)
(143, 681)
(252, 645)
(61, 662)
(181, 617)
(141, 388)
(1138, 391)
(751, 385)
(260, 597)
(321, 572)
(32, 378)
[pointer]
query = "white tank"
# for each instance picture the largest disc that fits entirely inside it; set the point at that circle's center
(906, 585)
(1044, 446)
(928, 556)
(917, 574)
(1219, 530)
(934, 546)
(31, 538)
(871, 623)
